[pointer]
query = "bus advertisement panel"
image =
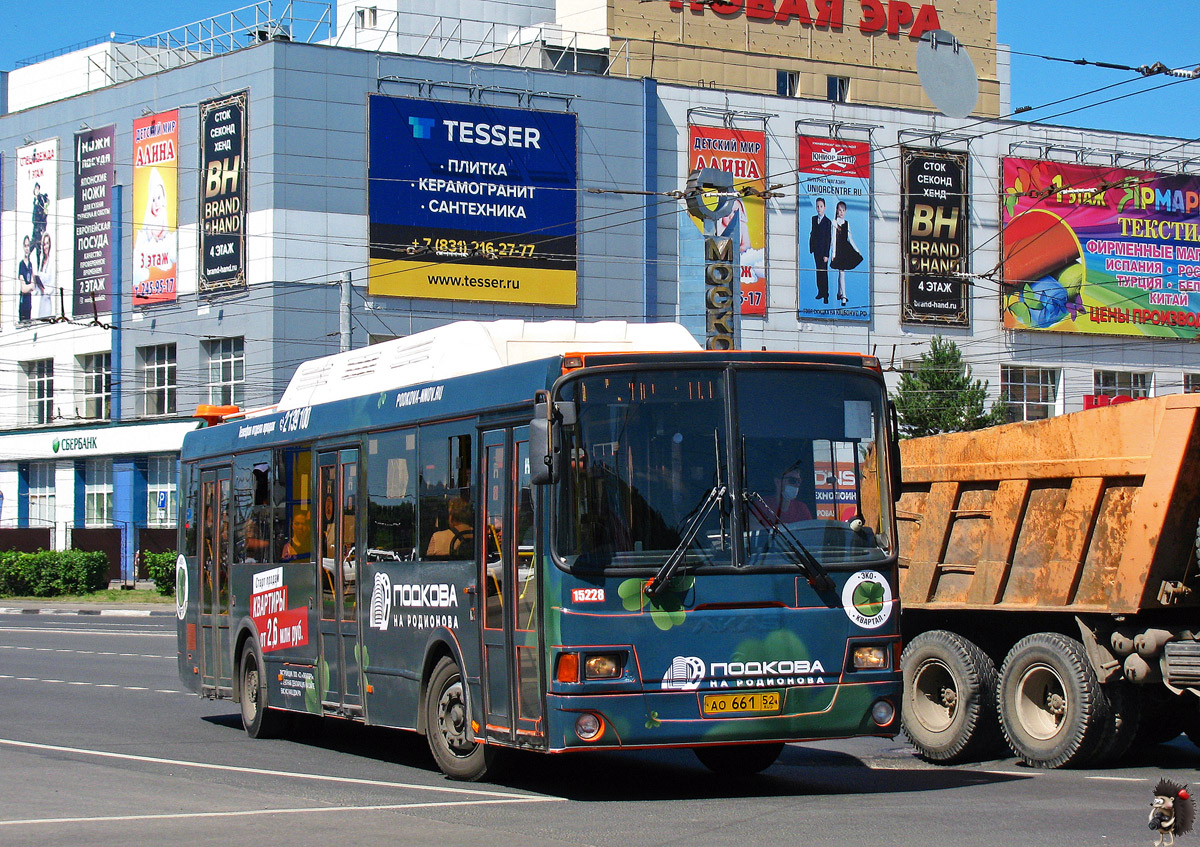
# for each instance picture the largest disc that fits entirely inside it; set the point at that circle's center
(1100, 250)
(470, 202)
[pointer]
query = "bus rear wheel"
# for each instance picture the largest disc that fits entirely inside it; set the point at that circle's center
(258, 720)
(739, 759)
(448, 726)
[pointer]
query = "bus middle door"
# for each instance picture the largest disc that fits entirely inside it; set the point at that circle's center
(510, 589)
(216, 659)
(338, 574)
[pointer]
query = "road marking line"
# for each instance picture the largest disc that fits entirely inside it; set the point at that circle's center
(297, 811)
(96, 684)
(1119, 778)
(348, 780)
(128, 633)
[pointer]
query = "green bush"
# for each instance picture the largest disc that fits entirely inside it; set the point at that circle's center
(160, 567)
(50, 573)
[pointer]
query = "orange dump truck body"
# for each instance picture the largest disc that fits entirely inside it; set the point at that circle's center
(1095, 511)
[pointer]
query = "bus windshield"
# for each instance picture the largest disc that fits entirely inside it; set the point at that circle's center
(750, 466)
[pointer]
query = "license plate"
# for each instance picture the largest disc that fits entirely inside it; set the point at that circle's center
(761, 702)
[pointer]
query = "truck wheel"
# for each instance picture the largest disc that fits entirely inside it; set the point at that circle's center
(949, 709)
(258, 720)
(448, 726)
(1052, 708)
(738, 759)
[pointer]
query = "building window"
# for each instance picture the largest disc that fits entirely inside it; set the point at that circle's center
(787, 83)
(97, 385)
(365, 17)
(158, 380)
(1030, 393)
(39, 381)
(40, 476)
(1121, 384)
(161, 504)
(98, 493)
(226, 372)
(1191, 383)
(838, 89)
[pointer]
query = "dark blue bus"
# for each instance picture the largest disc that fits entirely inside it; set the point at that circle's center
(554, 537)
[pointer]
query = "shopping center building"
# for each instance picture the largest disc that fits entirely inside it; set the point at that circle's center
(204, 212)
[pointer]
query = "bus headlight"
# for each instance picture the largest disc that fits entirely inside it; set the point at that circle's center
(602, 666)
(869, 658)
(883, 712)
(589, 727)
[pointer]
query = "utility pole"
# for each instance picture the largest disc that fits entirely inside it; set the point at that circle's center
(344, 311)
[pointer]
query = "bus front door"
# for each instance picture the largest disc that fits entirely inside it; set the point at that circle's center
(510, 590)
(216, 661)
(338, 576)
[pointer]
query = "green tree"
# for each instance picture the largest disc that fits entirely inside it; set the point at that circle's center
(940, 396)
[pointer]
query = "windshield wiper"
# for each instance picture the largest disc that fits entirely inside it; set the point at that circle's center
(660, 579)
(715, 495)
(814, 572)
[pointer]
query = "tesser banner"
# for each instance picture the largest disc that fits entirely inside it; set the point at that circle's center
(472, 202)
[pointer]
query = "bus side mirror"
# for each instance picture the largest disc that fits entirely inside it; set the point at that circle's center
(546, 438)
(894, 452)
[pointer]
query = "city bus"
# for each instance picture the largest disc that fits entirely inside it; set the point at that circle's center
(551, 536)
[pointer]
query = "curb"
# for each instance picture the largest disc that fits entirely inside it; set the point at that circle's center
(113, 613)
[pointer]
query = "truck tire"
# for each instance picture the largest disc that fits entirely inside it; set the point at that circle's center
(1052, 708)
(949, 709)
(448, 726)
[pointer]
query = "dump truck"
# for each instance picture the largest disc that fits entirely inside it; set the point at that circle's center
(1049, 585)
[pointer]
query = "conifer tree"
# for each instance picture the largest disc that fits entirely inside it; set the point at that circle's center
(940, 396)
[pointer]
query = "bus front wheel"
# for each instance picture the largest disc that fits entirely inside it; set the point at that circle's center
(258, 720)
(448, 726)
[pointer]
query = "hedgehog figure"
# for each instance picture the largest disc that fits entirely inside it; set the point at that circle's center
(1172, 813)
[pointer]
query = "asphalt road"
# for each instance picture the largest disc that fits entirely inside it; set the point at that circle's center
(98, 745)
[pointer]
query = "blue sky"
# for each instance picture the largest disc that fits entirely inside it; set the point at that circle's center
(1114, 31)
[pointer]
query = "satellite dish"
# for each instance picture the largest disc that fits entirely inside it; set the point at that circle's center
(947, 74)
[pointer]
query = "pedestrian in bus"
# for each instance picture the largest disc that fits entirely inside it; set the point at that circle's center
(458, 539)
(297, 546)
(786, 502)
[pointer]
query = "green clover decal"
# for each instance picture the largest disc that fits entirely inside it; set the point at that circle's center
(868, 598)
(666, 610)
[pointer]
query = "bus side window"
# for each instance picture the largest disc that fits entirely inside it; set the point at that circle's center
(252, 507)
(293, 505)
(447, 508)
(392, 496)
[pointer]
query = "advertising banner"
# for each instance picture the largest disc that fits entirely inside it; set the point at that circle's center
(933, 233)
(1100, 250)
(742, 153)
(471, 202)
(155, 208)
(223, 167)
(37, 231)
(835, 229)
(95, 179)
